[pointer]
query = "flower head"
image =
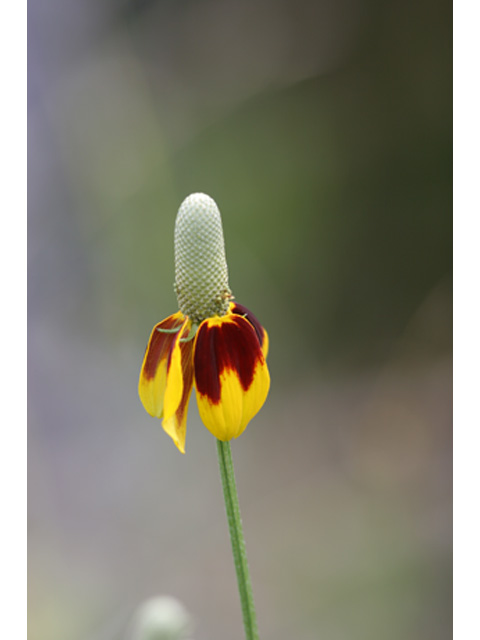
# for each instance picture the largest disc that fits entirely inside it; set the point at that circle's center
(212, 342)
(161, 618)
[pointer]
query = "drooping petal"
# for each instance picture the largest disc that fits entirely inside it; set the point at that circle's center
(175, 413)
(231, 375)
(262, 335)
(166, 376)
(156, 361)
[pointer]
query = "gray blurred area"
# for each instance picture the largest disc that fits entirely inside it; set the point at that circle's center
(324, 132)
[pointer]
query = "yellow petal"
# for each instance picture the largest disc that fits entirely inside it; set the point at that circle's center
(166, 376)
(153, 374)
(179, 377)
(231, 375)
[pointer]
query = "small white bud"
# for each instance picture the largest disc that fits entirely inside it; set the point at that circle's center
(162, 618)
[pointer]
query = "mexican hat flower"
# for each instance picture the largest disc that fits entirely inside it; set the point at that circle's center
(212, 342)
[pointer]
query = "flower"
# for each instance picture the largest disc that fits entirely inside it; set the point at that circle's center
(212, 342)
(161, 618)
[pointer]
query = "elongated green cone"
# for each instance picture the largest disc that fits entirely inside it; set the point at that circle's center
(201, 274)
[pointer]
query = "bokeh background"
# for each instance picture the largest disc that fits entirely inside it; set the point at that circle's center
(324, 132)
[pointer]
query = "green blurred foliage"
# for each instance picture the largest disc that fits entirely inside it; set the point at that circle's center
(335, 189)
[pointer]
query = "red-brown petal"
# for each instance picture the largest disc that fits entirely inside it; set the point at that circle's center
(241, 310)
(231, 375)
(160, 343)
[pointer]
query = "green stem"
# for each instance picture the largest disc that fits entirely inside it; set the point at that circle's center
(238, 541)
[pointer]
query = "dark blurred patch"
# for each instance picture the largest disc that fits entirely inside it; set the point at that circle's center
(127, 11)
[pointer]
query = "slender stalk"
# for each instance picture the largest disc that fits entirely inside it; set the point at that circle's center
(237, 539)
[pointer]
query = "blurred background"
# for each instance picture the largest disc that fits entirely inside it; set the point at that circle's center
(324, 132)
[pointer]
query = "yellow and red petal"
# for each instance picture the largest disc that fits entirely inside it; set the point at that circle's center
(156, 361)
(175, 412)
(262, 335)
(166, 376)
(231, 375)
